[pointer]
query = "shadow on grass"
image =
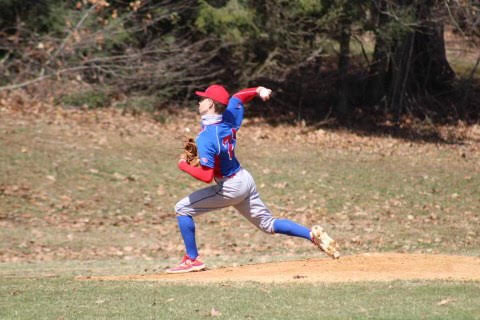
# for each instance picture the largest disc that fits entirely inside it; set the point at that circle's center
(441, 119)
(413, 130)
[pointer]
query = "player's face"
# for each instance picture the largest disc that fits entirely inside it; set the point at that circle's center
(204, 106)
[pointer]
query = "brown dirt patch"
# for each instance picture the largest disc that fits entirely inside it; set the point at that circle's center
(365, 267)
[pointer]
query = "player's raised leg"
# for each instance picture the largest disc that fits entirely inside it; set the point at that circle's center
(259, 215)
(317, 235)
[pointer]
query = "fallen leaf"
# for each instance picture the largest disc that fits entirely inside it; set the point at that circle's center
(160, 190)
(215, 313)
(445, 301)
(281, 185)
(118, 176)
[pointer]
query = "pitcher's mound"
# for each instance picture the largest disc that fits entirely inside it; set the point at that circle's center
(365, 267)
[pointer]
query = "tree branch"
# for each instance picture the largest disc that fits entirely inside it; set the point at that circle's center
(41, 78)
(64, 42)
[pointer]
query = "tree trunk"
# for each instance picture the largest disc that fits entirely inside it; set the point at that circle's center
(432, 70)
(376, 86)
(343, 63)
(400, 70)
(417, 63)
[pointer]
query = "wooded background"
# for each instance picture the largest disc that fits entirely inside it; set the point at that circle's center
(346, 59)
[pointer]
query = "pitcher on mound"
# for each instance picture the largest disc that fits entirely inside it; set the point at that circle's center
(234, 186)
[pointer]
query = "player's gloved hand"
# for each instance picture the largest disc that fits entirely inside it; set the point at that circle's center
(264, 93)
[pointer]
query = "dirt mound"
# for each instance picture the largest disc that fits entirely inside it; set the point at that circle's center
(365, 267)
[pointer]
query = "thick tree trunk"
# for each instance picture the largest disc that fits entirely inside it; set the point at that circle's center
(432, 70)
(417, 63)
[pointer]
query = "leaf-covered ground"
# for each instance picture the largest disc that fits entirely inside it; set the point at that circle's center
(99, 184)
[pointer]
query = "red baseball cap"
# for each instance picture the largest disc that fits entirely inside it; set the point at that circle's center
(215, 92)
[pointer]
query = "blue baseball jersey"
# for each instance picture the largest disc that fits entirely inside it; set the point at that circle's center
(216, 142)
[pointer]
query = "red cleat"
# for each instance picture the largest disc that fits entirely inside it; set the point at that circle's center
(188, 265)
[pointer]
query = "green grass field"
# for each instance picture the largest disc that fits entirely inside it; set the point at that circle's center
(63, 298)
(92, 193)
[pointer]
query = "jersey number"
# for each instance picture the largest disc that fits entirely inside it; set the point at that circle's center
(229, 143)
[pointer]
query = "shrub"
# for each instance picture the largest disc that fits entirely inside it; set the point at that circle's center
(91, 99)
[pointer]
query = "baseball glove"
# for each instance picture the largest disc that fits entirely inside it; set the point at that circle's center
(190, 153)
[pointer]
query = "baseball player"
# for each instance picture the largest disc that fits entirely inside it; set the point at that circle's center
(234, 186)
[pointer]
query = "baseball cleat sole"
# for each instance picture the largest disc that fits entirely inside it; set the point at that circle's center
(322, 240)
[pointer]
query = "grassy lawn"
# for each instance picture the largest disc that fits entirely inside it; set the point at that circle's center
(83, 190)
(92, 193)
(66, 299)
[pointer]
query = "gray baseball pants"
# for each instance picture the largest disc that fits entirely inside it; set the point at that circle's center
(238, 191)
